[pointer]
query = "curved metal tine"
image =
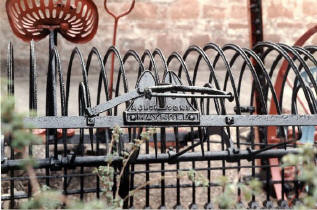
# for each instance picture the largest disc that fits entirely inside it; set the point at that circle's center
(240, 52)
(296, 89)
(251, 98)
(62, 92)
(10, 92)
(111, 50)
(306, 71)
(33, 82)
(55, 64)
(287, 62)
(220, 53)
(311, 48)
(100, 133)
(229, 75)
(202, 55)
(158, 52)
(82, 98)
(260, 64)
(307, 55)
(77, 52)
(182, 65)
(102, 75)
(162, 130)
(302, 63)
(10, 70)
(152, 64)
(125, 85)
(133, 54)
(285, 56)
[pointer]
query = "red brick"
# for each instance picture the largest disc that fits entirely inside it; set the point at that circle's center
(126, 44)
(183, 26)
(151, 26)
(184, 9)
(289, 25)
(314, 40)
(272, 37)
(212, 27)
(309, 8)
(238, 12)
(238, 25)
(214, 12)
(200, 40)
(169, 43)
(277, 10)
(144, 11)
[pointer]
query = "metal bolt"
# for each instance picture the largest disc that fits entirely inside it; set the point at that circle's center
(90, 121)
(133, 117)
(229, 120)
(191, 117)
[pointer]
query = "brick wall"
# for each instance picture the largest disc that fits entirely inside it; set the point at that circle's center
(173, 25)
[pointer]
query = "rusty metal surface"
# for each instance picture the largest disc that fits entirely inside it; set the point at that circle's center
(76, 21)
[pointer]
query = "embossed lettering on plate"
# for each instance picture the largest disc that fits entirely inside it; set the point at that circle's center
(144, 111)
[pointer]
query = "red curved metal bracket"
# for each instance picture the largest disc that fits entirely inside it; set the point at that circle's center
(272, 139)
(76, 20)
(114, 38)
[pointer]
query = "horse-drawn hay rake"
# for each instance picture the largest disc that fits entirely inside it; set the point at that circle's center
(200, 114)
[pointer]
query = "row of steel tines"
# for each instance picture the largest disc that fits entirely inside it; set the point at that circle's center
(252, 61)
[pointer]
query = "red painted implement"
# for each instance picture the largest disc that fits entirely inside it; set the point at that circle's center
(75, 20)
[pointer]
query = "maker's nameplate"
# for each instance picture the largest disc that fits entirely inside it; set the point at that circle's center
(161, 117)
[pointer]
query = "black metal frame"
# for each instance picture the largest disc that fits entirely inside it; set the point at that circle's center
(212, 109)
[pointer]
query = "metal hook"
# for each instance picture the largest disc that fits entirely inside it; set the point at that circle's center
(115, 27)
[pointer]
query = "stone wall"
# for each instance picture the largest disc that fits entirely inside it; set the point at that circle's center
(173, 25)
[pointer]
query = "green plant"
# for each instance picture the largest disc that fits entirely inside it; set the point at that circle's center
(306, 173)
(107, 173)
(228, 198)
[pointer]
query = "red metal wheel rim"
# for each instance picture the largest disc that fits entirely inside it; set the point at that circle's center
(271, 132)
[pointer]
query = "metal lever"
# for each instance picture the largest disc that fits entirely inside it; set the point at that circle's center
(159, 91)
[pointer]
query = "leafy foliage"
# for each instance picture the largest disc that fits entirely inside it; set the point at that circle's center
(306, 173)
(228, 199)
